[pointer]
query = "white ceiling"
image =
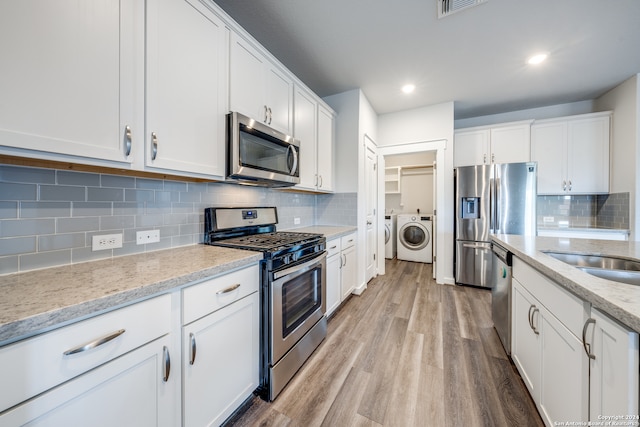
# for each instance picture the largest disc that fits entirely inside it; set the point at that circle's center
(475, 57)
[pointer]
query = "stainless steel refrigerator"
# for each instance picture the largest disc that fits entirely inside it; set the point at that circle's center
(499, 199)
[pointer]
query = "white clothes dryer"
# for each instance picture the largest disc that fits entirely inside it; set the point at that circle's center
(414, 238)
(390, 235)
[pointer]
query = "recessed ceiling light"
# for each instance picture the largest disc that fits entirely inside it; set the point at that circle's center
(537, 59)
(408, 88)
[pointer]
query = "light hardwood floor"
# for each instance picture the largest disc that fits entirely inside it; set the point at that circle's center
(407, 352)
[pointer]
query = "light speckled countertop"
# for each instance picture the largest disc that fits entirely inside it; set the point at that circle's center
(619, 300)
(329, 231)
(36, 301)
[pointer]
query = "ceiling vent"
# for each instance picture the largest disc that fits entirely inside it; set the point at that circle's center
(447, 7)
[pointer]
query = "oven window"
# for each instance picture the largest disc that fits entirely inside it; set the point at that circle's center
(301, 296)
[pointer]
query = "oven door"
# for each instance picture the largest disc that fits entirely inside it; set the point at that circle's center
(297, 303)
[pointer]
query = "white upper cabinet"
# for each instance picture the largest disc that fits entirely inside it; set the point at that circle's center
(325, 149)
(572, 154)
(506, 143)
(305, 130)
(187, 57)
(258, 88)
(313, 127)
(71, 78)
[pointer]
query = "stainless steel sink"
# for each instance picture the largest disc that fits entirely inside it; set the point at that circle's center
(606, 267)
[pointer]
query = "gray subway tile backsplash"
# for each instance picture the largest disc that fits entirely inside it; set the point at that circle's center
(60, 211)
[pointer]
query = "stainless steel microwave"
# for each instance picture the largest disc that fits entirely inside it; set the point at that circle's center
(260, 155)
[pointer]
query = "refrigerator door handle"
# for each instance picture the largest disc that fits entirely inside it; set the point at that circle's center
(484, 246)
(496, 206)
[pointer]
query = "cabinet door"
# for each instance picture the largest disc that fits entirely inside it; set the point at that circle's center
(247, 79)
(333, 283)
(614, 371)
(471, 148)
(187, 58)
(349, 273)
(588, 155)
(525, 342)
(549, 149)
(220, 362)
(279, 96)
(71, 77)
(511, 144)
(129, 391)
(305, 131)
(565, 375)
(325, 149)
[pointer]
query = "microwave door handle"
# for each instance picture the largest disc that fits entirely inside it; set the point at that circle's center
(295, 159)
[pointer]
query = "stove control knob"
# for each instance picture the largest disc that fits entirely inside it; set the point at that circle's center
(286, 259)
(295, 256)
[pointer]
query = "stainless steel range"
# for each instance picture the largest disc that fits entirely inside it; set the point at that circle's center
(292, 288)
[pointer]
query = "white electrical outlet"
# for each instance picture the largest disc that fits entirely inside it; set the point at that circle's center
(106, 241)
(147, 236)
(296, 221)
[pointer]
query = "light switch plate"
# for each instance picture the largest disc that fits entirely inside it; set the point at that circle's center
(147, 236)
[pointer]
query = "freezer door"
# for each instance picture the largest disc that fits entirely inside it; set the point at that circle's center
(474, 263)
(515, 199)
(473, 204)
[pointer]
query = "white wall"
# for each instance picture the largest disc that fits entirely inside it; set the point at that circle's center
(430, 127)
(624, 101)
(355, 119)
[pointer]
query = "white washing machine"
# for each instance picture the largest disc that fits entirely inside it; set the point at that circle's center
(414, 238)
(390, 237)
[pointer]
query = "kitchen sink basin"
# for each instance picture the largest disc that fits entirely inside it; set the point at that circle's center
(603, 266)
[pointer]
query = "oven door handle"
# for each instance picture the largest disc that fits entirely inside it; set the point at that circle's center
(309, 265)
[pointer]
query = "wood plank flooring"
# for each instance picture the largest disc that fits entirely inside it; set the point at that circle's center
(407, 352)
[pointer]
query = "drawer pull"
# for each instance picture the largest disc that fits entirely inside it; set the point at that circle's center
(192, 352)
(229, 289)
(96, 343)
(167, 364)
(585, 344)
(333, 247)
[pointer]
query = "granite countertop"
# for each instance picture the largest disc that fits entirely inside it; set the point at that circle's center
(621, 301)
(583, 229)
(36, 301)
(329, 231)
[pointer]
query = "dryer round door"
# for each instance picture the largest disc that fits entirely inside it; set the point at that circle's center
(414, 236)
(387, 233)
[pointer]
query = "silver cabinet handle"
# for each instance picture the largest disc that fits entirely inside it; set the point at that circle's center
(585, 345)
(154, 145)
(320, 176)
(266, 114)
(529, 316)
(270, 115)
(127, 140)
(569, 185)
(167, 363)
(345, 260)
(316, 183)
(533, 313)
(564, 185)
(229, 289)
(95, 343)
(192, 349)
(493, 158)
(484, 158)
(333, 247)
(369, 223)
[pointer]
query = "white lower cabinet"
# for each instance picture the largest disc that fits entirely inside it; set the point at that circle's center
(341, 270)
(614, 368)
(349, 275)
(114, 369)
(220, 361)
(334, 262)
(553, 337)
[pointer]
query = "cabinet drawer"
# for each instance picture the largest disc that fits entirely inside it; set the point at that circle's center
(40, 363)
(348, 240)
(213, 294)
(333, 247)
(567, 307)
